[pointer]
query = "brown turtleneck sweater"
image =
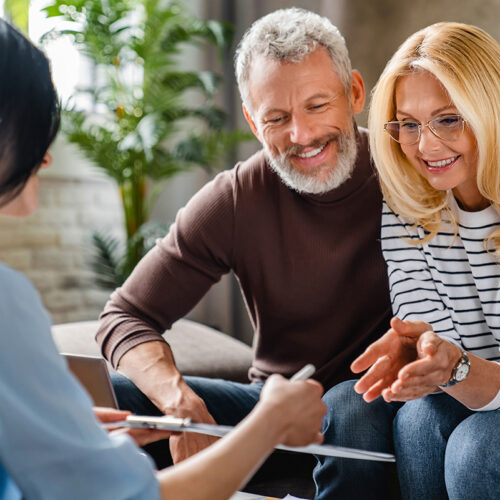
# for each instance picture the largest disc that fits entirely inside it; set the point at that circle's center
(309, 266)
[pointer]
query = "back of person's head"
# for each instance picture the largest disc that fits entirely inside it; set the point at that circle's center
(289, 35)
(466, 61)
(29, 110)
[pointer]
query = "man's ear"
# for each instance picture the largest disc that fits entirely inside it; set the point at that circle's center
(248, 118)
(358, 93)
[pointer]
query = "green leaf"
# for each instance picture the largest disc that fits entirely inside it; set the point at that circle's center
(18, 12)
(161, 122)
(106, 260)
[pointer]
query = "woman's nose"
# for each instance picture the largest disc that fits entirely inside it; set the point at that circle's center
(428, 140)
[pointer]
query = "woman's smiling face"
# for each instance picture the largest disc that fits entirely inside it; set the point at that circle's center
(446, 165)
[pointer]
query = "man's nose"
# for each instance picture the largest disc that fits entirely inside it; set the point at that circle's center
(301, 131)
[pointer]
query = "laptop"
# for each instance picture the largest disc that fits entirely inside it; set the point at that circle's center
(92, 373)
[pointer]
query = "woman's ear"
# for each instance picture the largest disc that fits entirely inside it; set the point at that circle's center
(358, 93)
(47, 160)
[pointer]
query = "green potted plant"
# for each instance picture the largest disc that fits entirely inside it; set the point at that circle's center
(139, 135)
(17, 11)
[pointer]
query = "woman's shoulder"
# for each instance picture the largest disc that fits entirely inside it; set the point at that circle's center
(395, 224)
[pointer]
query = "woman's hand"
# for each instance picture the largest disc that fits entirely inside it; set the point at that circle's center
(142, 437)
(435, 361)
(408, 362)
(387, 356)
(295, 407)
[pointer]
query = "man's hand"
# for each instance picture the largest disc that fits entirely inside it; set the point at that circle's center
(387, 356)
(297, 406)
(142, 437)
(151, 367)
(183, 402)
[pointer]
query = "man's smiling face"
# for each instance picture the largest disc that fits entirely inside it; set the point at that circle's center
(301, 114)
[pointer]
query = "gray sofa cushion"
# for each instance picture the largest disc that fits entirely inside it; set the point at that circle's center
(198, 349)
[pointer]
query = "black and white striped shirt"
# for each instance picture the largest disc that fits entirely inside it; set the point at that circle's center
(451, 282)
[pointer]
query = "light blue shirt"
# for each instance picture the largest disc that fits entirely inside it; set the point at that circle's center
(51, 446)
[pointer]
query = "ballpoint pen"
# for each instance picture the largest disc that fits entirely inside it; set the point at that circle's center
(304, 373)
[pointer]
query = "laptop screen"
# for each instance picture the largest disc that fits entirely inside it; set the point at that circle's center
(92, 373)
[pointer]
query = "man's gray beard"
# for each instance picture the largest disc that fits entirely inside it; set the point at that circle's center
(338, 174)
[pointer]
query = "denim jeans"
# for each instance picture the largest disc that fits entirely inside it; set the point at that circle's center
(353, 423)
(445, 450)
(349, 422)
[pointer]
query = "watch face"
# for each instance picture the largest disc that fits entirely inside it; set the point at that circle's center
(462, 372)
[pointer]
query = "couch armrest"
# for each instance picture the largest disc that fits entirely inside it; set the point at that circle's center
(198, 349)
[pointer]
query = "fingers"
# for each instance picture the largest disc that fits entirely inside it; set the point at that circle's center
(374, 391)
(436, 360)
(407, 394)
(186, 444)
(420, 378)
(400, 392)
(110, 415)
(373, 352)
(384, 369)
(409, 328)
(142, 437)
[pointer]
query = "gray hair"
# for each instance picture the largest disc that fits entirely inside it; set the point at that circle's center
(290, 35)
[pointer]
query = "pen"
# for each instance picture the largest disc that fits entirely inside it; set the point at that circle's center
(304, 373)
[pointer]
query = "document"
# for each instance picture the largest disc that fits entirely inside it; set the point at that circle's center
(167, 422)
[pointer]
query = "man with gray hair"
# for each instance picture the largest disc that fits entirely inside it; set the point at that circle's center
(299, 224)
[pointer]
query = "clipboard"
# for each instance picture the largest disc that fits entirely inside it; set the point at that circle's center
(175, 424)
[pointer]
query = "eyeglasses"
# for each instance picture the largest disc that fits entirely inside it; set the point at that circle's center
(408, 132)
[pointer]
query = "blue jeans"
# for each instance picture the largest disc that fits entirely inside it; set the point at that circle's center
(445, 451)
(353, 423)
(349, 422)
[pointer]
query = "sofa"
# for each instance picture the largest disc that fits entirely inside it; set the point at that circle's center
(204, 351)
(199, 349)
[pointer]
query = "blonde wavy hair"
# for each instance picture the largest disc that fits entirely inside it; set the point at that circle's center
(466, 60)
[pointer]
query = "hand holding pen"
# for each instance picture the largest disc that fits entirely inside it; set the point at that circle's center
(297, 404)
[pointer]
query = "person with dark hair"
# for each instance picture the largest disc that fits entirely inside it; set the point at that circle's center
(29, 113)
(51, 446)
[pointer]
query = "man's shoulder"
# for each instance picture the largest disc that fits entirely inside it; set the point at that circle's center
(253, 169)
(248, 176)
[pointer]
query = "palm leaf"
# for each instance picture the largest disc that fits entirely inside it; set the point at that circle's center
(106, 260)
(152, 128)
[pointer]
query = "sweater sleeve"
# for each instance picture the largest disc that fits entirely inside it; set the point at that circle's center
(171, 279)
(414, 295)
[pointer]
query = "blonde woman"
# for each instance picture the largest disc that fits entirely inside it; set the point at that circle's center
(435, 136)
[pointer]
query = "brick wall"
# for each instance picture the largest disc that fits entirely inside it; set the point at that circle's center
(51, 247)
